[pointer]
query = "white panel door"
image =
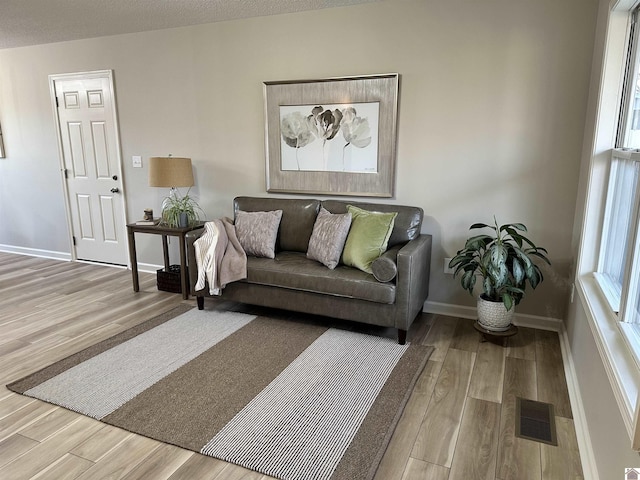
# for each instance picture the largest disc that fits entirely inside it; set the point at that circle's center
(89, 143)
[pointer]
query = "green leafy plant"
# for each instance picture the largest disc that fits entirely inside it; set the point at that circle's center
(174, 205)
(503, 261)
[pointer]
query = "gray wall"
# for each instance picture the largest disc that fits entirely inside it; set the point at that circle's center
(492, 107)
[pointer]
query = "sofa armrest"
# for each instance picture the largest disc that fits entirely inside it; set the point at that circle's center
(191, 237)
(412, 281)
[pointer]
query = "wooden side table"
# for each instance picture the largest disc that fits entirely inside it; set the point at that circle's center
(165, 231)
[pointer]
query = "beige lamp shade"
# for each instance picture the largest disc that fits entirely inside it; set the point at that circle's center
(170, 172)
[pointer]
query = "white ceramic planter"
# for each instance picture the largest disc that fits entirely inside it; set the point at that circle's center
(494, 316)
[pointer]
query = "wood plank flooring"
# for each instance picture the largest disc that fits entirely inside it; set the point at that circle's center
(458, 423)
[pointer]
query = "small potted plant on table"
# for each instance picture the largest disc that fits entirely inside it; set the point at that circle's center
(180, 211)
(504, 261)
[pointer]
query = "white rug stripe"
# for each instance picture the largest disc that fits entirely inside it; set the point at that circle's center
(107, 381)
(344, 374)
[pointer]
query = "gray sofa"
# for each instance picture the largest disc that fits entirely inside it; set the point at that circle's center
(291, 281)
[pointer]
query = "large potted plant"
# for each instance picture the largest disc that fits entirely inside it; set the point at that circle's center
(504, 262)
(180, 211)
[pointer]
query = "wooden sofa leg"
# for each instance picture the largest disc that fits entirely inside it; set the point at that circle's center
(402, 336)
(200, 301)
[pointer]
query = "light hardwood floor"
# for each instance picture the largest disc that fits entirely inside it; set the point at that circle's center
(458, 424)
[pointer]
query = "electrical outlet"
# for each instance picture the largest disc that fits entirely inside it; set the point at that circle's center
(137, 161)
(448, 270)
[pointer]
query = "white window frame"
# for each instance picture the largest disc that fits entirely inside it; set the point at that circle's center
(615, 293)
(600, 134)
(626, 112)
(621, 298)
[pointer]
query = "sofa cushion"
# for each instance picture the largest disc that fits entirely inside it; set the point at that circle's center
(295, 271)
(406, 225)
(257, 232)
(368, 237)
(298, 218)
(327, 240)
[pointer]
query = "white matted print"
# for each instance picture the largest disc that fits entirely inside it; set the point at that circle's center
(330, 138)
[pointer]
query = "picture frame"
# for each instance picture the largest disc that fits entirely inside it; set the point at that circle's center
(2, 154)
(334, 136)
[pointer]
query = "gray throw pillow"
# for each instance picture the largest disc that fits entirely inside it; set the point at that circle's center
(327, 239)
(257, 232)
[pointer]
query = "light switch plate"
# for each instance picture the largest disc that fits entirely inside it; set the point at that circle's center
(137, 161)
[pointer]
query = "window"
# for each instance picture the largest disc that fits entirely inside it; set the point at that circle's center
(618, 272)
(619, 218)
(609, 255)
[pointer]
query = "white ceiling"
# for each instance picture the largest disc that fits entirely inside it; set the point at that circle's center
(33, 22)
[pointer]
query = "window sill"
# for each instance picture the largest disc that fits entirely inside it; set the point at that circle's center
(617, 358)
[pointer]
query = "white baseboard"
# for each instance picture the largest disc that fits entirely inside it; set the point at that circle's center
(587, 457)
(149, 267)
(557, 325)
(449, 310)
(521, 319)
(36, 252)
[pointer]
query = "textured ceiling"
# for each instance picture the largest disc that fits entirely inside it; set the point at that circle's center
(33, 22)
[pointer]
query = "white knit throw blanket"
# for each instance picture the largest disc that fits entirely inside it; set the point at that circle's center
(219, 256)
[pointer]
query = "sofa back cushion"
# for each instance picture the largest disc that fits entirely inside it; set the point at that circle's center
(296, 225)
(406, 224)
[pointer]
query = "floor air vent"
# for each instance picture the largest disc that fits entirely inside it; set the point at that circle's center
(535, 421)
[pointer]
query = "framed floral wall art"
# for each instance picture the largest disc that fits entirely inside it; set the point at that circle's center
(1, 145)
(333, 136)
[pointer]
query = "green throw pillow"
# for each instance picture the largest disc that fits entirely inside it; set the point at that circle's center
(368, 237)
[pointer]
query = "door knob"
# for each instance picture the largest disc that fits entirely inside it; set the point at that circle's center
(115, 190)
(115, 177)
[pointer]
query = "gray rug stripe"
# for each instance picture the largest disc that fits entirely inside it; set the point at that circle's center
(107, 381)
(343, 372)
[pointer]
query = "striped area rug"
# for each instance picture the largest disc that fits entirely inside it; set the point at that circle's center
(292, 400)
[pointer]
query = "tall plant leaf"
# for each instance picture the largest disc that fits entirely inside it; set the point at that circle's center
(498, 254)
(468, 281)
(518, 271)
(478, 242)
(517, 226)
(481, 225)
(507, 299)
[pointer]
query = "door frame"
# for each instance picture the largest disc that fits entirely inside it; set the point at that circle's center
(108, 74)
